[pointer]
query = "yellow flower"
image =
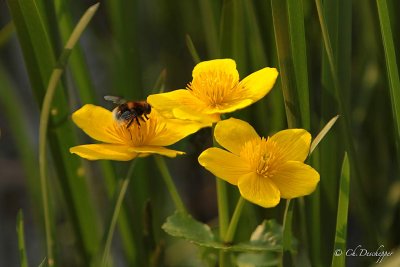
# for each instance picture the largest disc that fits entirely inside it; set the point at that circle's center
(214, 90)
(264, 169)
(121, 143)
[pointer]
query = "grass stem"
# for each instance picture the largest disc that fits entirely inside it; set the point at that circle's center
(169, 182)
(114, 218)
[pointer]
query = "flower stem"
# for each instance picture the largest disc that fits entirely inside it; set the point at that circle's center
(222, 199)
(162, 166)
(111, 228)
(230, 234)
(223, 215)
(223, 211)
(287, 230)
(114, 218)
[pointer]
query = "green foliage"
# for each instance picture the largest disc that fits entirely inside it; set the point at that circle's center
(21, 239)
(266, 238)
(342, 215)
(334, 57)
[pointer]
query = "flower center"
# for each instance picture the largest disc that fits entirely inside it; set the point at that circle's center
(214, 87)
(139, 135)
(264, 156)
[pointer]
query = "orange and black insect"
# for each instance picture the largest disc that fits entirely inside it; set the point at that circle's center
(129, 111)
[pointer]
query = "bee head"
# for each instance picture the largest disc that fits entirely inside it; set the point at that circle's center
(121, 114)
(147, 108)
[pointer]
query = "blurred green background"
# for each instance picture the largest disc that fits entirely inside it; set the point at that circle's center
(128, 47)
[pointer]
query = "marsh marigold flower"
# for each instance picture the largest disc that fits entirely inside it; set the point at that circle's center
(122, 143)
(264, 169)
(214, 90)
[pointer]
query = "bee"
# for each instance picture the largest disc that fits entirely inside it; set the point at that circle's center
(129, 111)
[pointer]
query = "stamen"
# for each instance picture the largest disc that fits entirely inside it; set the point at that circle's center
(263, 155)
(214, 88)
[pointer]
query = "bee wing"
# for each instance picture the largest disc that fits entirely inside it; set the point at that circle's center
(115, 99)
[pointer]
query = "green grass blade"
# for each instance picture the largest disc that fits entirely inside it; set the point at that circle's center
(192, 49)
(159, 86)
(44, 120)
(86, 92)
(125, 225)
(258, 59)
(226, 35)
(76, 63)
(210, 27)
(342, 99)
(43, 263)
(232, 33)
(169, 183)
(257, 55)
(18, 123)
(333, 145)
(322, 133)
(314, 213)
(287, 234)
(239, 47)
(291, 98)
(339, 257)
(40, 60)
(391, 65)
(117, 204)
(287, 77)
(299, 57)
(21, 240)
(127, 68)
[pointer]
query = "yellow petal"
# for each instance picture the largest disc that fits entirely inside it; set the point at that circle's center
(294, 144)
(295, 179)
(223, 164)
(170, 131)
(98, 123)
(165, 103)
(147, 150)
(221, 66)
(259, 190)
(187, 113)
(229, 106)
(179, 104)
(104, 151)
(259, 83)
(233, 133)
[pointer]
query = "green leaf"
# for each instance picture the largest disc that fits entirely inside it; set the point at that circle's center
(77, 64)
(21, 239)
(286, 68)
(322, 133)
(40, 60)
(299, 58)
(43, 263)
(342, 213)
(268, 231)
(232, 33)
(210, 27)
(192, 49)
(182, 225)
(17, 121)
(125, 43)
(287, 235)
(391, 65)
